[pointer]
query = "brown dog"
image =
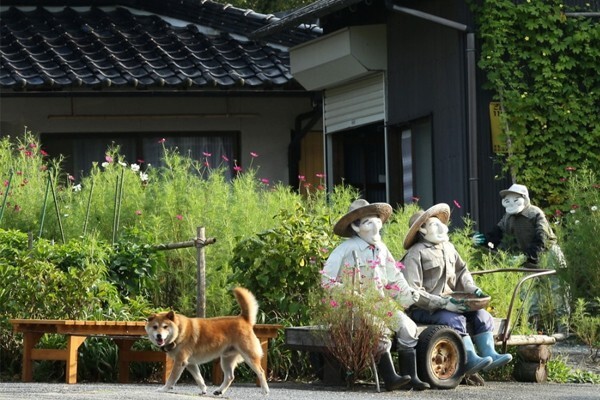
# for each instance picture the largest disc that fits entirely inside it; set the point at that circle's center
(193, 341)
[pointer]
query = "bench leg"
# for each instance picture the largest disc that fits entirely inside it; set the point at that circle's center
(30, 339)
(73, 343)
(124, 350)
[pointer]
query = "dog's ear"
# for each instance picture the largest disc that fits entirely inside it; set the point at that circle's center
(151, 317)
(171, 315)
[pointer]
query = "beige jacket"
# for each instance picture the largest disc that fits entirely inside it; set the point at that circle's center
(436, 271)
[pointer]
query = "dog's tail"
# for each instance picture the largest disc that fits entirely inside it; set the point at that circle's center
(247, 303)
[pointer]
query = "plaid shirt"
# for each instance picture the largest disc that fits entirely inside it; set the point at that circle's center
(436, 271)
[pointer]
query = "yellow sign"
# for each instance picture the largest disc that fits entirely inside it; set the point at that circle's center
(498, 139)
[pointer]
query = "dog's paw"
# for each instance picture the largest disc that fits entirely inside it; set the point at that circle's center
(217, 393)
(163, 389)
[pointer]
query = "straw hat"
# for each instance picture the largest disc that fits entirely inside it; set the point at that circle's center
(441, 211)
(358, 209)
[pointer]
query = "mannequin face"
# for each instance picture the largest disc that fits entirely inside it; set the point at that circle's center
(513, 203)
(434, 231)
(369, 228)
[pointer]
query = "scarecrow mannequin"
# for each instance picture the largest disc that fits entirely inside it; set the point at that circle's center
(527, 225)
(435, 269)
(362, 225)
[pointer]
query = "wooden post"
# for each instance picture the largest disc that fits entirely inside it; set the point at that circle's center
(199, 242)
(201, 273)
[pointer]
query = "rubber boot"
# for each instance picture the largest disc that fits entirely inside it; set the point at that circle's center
(474, 362)
(392, 381)
(485, 347)
(408, 366)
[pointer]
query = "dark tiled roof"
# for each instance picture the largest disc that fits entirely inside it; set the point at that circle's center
(122, 48)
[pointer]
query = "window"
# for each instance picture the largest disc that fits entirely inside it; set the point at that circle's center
(81, 151)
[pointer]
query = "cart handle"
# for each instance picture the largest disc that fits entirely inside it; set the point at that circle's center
(535, 273)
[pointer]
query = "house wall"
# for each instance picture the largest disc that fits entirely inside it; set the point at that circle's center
(265, 123)
(426, 77)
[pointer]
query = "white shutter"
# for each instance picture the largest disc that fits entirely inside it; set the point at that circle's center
(357, 103)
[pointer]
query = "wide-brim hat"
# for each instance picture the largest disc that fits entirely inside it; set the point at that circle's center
(359, 209)
(516, 189)
(441, 211)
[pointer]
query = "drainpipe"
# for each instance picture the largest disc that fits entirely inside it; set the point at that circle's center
(471, 97)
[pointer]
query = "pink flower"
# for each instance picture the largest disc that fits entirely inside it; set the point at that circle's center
(570, 168)
(320, 175)
(415, 199)
(265, 181)
(5, 183)
(140, 161)
(320, 187)
(205, 154)
(558, 213)
(206, 164)
(301, 178)
(19, 173)
(138, 212)
(28, 153)
(253, 154)
(43, 153)
(71, 178)
(389, 313)
(457, 204)
(237, 168)
(162, 140)
(399, 265)
(108, 158)
(32, 145)
(333, 303)
(224, 157)
(179, 217)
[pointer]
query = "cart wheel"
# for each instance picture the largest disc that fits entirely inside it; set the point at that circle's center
(441, 357)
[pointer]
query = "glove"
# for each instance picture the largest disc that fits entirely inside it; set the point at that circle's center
(457, 306)
(480, 293)
(415, 296)
(478, 238)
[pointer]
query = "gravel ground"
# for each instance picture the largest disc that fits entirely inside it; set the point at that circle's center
(298, 391)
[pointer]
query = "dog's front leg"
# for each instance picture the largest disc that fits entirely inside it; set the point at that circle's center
(195, 371)
(178, 367)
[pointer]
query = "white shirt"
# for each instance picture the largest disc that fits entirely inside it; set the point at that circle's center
(377, 267)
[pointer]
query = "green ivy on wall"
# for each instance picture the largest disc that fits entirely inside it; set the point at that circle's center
(544, 67)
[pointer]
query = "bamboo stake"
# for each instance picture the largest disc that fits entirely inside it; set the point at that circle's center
(6, 194)
(62, 232)
(43, 216)
(87, 212)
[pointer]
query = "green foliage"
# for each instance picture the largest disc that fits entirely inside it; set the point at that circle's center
(133, 265)
(281, 265)
(542, 66)
(559, 372)
(579, 233)
(586, 326)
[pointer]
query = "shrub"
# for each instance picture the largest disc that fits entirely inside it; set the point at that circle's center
(281, 265)
(579, 233)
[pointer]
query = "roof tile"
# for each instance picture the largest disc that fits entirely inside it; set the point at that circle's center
(113, 47)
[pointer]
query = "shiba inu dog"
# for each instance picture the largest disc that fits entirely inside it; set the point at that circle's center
(193, 341)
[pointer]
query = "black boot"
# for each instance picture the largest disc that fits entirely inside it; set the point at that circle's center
(385, 366)
(408, 366)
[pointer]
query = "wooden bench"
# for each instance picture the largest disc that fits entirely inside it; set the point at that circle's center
(123, 333)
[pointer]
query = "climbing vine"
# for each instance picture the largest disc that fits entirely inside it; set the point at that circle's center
(543, 64)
